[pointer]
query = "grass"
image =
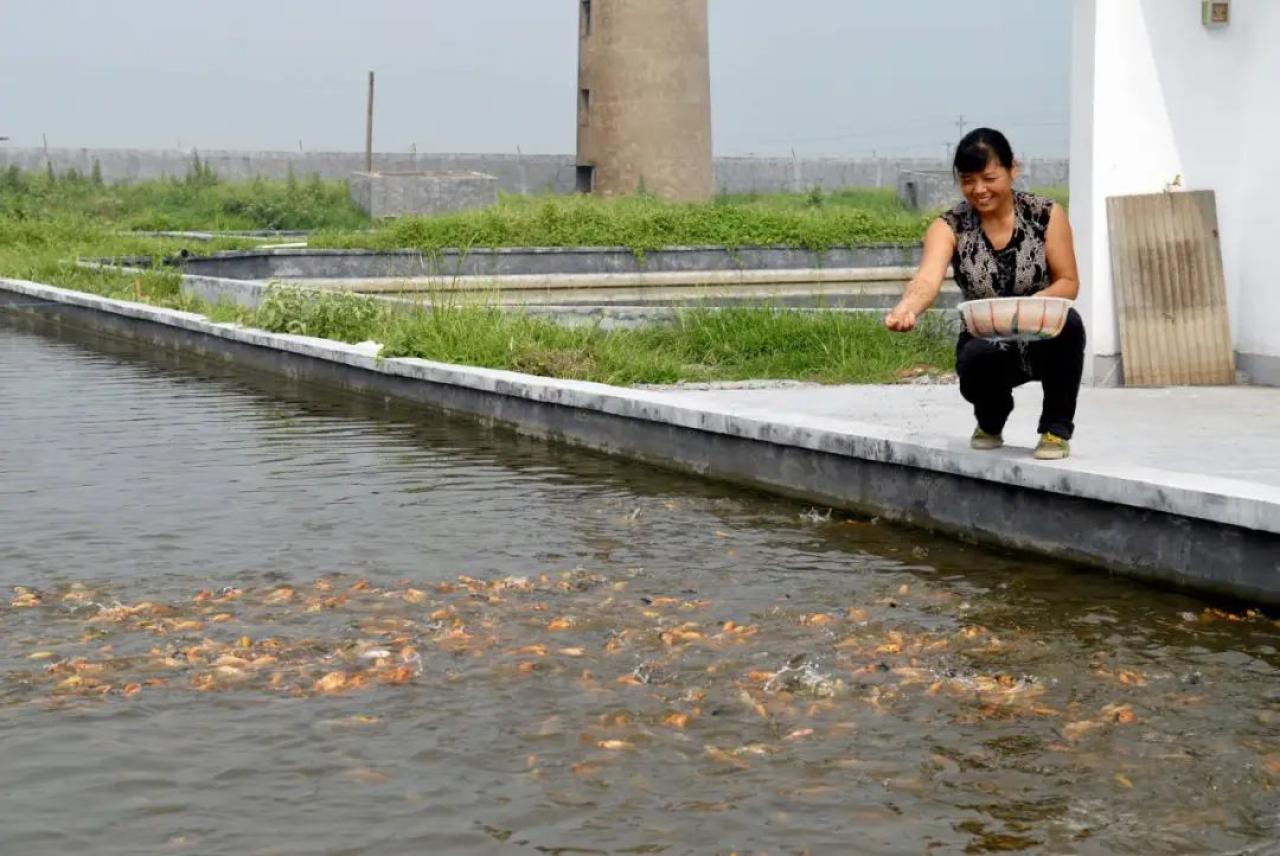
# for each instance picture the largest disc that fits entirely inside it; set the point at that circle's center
(812, 221)
(877, 201)
(197, 202)
(1060, 194)
(699, 345)
(45, 250)
(816, 220)
(47, 223)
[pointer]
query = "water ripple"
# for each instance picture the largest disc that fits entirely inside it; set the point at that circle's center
(1082, 714)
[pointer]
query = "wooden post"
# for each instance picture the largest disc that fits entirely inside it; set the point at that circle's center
(368, 130)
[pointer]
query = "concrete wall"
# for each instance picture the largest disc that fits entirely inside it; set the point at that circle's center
(644, 97)
(1258, 219)
(516, 173)
(931, 190)
(539, 261)
(927, 191)
(745, 174)
(1159, 100)
(395, 194)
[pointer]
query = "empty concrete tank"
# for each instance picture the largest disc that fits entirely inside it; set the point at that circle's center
(644, 98)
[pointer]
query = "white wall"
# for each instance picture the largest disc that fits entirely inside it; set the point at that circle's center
(1156, 95)
(1258, 298)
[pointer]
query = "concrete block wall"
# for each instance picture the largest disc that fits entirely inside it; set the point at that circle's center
(393, 194)
(927, 191)
(515, 173)
(935, 189)
(767, 175)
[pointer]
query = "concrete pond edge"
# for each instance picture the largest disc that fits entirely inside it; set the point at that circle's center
(307, 262)
(1209, 534)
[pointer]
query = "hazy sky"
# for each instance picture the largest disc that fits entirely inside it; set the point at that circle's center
(825, 77)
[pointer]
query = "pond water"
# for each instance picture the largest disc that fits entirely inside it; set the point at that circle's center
(243, 616)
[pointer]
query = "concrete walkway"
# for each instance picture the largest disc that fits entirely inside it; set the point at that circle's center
(1219, 432)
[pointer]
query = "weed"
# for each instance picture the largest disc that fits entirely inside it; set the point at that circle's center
(47, 223)
(643, 223)
(338, 315)
(700, 344)
(198, 201)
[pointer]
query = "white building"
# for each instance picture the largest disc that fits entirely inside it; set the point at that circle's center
(1158, 94)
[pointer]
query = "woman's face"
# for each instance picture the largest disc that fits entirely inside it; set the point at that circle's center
(987, 190)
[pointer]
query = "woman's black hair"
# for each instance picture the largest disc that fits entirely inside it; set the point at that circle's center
(979, 147)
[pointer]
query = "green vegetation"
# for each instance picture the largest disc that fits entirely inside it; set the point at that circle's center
(339, 315)
(197, 202)
(1060, 194)
(700, 345)
(45, 249)
(815, 221)
(877, 201)
(46, 223)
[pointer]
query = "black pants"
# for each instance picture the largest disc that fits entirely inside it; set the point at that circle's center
(989, 371)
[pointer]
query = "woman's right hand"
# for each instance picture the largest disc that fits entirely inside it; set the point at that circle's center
(922, 291)
(900, 319)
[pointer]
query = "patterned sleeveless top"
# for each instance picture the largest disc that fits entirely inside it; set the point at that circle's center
(1018, 269)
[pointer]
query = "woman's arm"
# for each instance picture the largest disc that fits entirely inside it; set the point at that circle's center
(939, 246)
(1060, 252)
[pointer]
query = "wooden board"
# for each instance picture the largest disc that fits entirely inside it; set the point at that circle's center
(1170, 294)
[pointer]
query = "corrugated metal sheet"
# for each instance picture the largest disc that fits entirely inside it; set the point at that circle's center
(1171, 298)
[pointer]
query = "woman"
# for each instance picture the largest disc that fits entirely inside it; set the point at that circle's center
(1002, 242)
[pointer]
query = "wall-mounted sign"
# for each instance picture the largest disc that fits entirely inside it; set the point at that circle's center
(1215, 13)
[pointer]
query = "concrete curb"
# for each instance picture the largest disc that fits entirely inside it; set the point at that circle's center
(312, 262)
(1225, 529)
(198, 235)
(637, 302)
(807, 277)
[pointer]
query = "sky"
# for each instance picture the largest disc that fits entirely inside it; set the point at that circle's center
(842, 78)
